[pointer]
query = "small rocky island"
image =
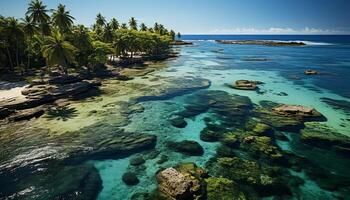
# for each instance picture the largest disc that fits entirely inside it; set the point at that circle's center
(261, 42)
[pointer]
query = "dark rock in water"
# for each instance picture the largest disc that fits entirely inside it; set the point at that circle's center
(4, 112)
(56, 182)
(178, 122)
(183, 182)
(130, 178)
(310, 72)
(225, 151)
(337, 104)
(282, 94)
(208, 135)
(180, 42)
(261, 42)
(281, 136)
(26, 114)
(137, 161)
(67, 79)
(187, 147)
(322, 136)
(262, 179)
(246, 85)
(163, 159)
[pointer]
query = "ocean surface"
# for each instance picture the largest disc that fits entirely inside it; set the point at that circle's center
(281, 69)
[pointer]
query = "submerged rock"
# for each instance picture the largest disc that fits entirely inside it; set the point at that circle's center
(262, 146)
(178, 122)
(323, 136)
(337, 104)
(246, 85)
(222, 189)
(187, 147)
(310, 72)
(137, 161)
(130, 178)
(81, 182)
(246, 172)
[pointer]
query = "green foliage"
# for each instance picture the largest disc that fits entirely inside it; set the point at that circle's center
(39, 40)
(57, 51)
(62, 19)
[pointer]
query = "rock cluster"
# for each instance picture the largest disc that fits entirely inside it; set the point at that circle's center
(246, 85)
(35, 95)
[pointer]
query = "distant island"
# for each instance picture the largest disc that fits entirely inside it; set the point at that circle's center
(261, 42)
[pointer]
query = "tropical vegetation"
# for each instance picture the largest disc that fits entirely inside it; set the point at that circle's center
(47, 38)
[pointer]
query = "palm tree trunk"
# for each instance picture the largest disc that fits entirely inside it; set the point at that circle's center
(17, 59)
(9, 54)
(29, 50)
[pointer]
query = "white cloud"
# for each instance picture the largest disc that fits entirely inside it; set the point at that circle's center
(275, 31)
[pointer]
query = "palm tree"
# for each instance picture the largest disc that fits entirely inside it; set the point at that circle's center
(156, 27)
(29, 29)
(114, 24)
(107, 34)
(62, 19)
(15, 30)
(124, 26)
(133, 23)
(37, 12)
(100, 20)
(172, 35)
(143, 27)
(58, 51)
(82, 41)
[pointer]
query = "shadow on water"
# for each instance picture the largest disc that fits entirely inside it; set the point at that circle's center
(63, 113)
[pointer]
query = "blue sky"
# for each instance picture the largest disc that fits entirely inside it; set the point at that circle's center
(212, 16)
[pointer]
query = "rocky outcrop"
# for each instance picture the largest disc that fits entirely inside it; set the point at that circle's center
(310, 72)
(246, 85)
(26, 114)
(180, 42)
(261, 42)
(247, 172)
(37, 95)
(298, 111)
(187, 147)
(183, 182)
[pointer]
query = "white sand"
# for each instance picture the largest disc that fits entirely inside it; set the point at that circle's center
(14, 91)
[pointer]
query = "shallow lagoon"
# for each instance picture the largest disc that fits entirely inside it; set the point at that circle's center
(280, 68)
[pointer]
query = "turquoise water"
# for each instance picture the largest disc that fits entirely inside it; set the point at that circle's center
(281, 69)
(223, 64)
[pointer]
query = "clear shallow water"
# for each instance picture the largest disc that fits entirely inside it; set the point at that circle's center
(223, 64)
(282, 70)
